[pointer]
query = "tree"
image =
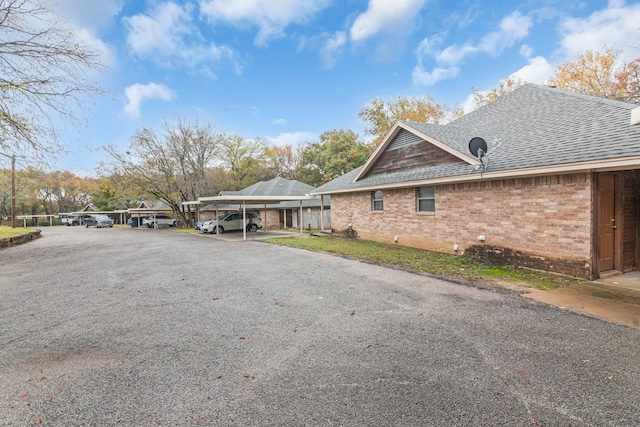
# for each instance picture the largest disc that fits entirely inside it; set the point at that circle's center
(628, 80)
(380, 116)
(284, 160)
(43, 74)
(337, 153)
(245, 159)
(481, 98)
(171, 166)
(597, 74)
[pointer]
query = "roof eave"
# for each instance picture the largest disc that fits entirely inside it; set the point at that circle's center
(392, 134)
(624, 163)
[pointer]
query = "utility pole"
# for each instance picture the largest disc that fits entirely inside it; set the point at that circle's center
(13, 191)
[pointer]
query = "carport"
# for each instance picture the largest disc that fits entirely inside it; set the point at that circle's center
(242, 201)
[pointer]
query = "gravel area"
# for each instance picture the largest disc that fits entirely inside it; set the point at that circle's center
(139, 327)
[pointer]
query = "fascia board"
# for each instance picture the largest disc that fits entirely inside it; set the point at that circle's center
(625, 163)
(392, 134)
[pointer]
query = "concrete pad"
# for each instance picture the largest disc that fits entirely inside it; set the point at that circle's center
(613, 304)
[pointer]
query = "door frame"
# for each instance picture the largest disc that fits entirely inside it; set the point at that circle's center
(618, 216)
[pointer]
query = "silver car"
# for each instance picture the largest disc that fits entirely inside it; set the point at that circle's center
(99, 221)
(232, 222)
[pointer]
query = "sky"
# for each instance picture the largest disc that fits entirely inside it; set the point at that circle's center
(288, 70)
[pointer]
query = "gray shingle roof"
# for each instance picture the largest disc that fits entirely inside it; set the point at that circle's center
(538, 126)
(275, 187)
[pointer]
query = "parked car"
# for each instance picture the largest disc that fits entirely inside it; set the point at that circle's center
(136, 221)
(71, 221)
(151, 221)
(232, 222)
(199, 225)
(99, 221)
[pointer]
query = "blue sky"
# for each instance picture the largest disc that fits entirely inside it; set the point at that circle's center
(288, 70)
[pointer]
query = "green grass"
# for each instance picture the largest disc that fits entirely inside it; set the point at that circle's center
(7, 231)
(434, 263)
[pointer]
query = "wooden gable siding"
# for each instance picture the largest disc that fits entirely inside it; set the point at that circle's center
(410, 156)
(631, 217)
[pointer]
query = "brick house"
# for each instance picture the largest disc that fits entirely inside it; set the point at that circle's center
(558, 188)
(283, 214)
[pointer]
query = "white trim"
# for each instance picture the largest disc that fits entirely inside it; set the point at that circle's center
(591, 166)
(635, 116)
(394, 132)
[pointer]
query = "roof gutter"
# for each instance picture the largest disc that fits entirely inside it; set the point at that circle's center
(635, 116)
(592, 166)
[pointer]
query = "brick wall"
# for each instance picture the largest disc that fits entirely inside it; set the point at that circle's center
(546, 219)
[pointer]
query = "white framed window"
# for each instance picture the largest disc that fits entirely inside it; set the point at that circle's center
(377, 200)
(426, 199)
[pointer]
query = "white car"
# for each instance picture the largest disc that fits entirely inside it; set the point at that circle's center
(232, 222)
(154, 220)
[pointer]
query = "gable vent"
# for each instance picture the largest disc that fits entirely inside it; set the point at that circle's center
(404, 138)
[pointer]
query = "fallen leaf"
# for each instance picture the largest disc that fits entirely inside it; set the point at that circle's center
(53, 399)
(219, 376)
(586, 360)
(38, 421)
(609, 378)
(295, 329)
(242, 337)
(392, 368)
(204, 418)
(522, 372)
(23, 396)
(353, 312)
(215, 298)
(46, 344)
(369, 345)
(508, 381)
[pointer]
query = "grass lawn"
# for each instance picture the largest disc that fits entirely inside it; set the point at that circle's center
(7, 231)
(447, 266)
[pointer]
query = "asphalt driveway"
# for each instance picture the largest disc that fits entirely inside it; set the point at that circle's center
(108, 327)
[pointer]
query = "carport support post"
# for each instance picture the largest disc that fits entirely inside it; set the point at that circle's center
(300, 210)
(321, 213)
(244, 218)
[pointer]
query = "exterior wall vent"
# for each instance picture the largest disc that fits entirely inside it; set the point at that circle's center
(402, 139)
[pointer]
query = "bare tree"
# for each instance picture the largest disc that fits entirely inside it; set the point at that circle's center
(44, 71)
(171, 166)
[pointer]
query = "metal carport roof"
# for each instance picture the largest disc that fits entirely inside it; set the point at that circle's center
(239, 199)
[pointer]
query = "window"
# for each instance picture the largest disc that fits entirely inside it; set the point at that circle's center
(376, 198)
(426, 199)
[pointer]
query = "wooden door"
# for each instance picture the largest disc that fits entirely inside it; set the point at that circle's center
(606, 221)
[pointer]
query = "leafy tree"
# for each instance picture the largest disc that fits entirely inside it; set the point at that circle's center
(245, 160)
(284, 160)
(481, 98)
(628, 80)
(43, 74)
(337, 153)
(380, 116)
(597, 73)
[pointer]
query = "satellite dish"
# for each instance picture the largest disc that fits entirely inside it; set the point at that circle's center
(478, 147)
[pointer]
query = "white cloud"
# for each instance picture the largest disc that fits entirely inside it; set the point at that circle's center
(94, 15)
(538, 70)
(513, 28)
(168, 36)
(138, 93)
(89, 19)
(425, 78)
(292, 138)
(279, 121)
(271, 17)
(385, 15)
(331, 49)
(617, 26)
